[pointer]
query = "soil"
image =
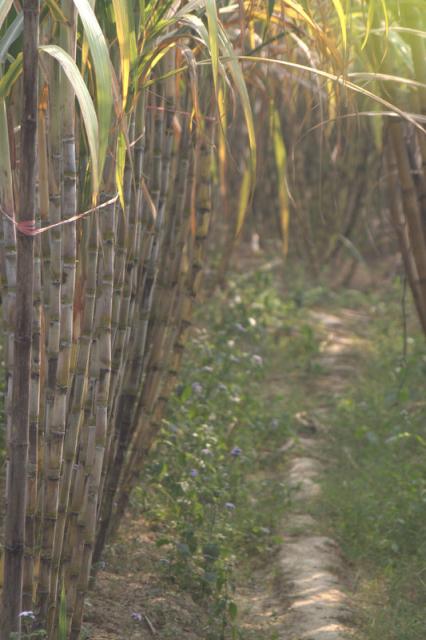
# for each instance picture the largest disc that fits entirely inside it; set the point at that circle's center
(303, 594)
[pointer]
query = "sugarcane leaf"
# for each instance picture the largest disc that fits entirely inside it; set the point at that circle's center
(12, 74)
(342, 20)
(198, 26)
(85, 102)
(101, 62)
(398, 29)
(56, 11)
(212, 22)
(120, 167)
(300, 10)
(126, 42)
(241, 87)
(386, 16)
(6, 183)
(244, 199)
(345, 83)
(189, 7)
(370, 19)
(159, 55)
(5, 6)
(280, 155)
(386, 77)
(12, 33)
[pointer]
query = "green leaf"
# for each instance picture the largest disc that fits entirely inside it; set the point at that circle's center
(232, 610)
(370, 21)
(346, 84)
(213, 40)
(120, 167)
(281, 164)
(240, 84)
(243, 199)
(86, 105)
(342, 20)
(56, 11)
(126, 42)
(13, 32)
(6, 183)
(5, 6)
(101, 62)
(11, 75)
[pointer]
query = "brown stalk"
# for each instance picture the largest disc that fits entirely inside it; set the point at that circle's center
(15, 515)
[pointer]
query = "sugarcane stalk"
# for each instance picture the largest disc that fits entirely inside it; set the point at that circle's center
(124, 264)
(9, 286)
(33, 457)
(15, 514)
(51, 280)
(81, 383)
(401, 228)
(410, 202)
(130, 225)
(128, 395)
(150, 416)
(68, 277)
(101, 411)
(418, 53)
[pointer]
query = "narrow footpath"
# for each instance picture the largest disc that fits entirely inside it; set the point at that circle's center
(304, 591)
(307, 596)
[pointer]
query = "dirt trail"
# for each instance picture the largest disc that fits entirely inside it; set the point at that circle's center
(311, 599)
(305, 593)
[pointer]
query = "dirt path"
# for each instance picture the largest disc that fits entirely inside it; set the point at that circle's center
(305, 593)
(308, 595)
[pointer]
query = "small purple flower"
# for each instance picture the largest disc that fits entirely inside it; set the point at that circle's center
(197, 388)
(230, 506)
(257, 360)
(137, 616)
(235, 452)
(193, 473)
(239, 327)
(207, 452)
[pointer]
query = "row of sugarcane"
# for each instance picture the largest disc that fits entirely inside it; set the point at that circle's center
(318, 162)
(354, 167)
(113, 294)
(404, 145)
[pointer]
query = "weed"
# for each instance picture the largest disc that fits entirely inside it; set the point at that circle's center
(209, 486)
(376, 491)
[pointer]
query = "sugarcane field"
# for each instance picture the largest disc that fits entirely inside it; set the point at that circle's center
(213, 319)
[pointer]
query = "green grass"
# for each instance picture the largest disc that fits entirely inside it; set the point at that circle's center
(213, 488)
(375, 493)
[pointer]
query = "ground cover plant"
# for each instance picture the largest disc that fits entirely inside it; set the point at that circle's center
(375, 492)
(203, 484)
(213, 490)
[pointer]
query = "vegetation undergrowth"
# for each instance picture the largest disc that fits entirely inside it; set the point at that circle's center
(375, 492)
(214, 486)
